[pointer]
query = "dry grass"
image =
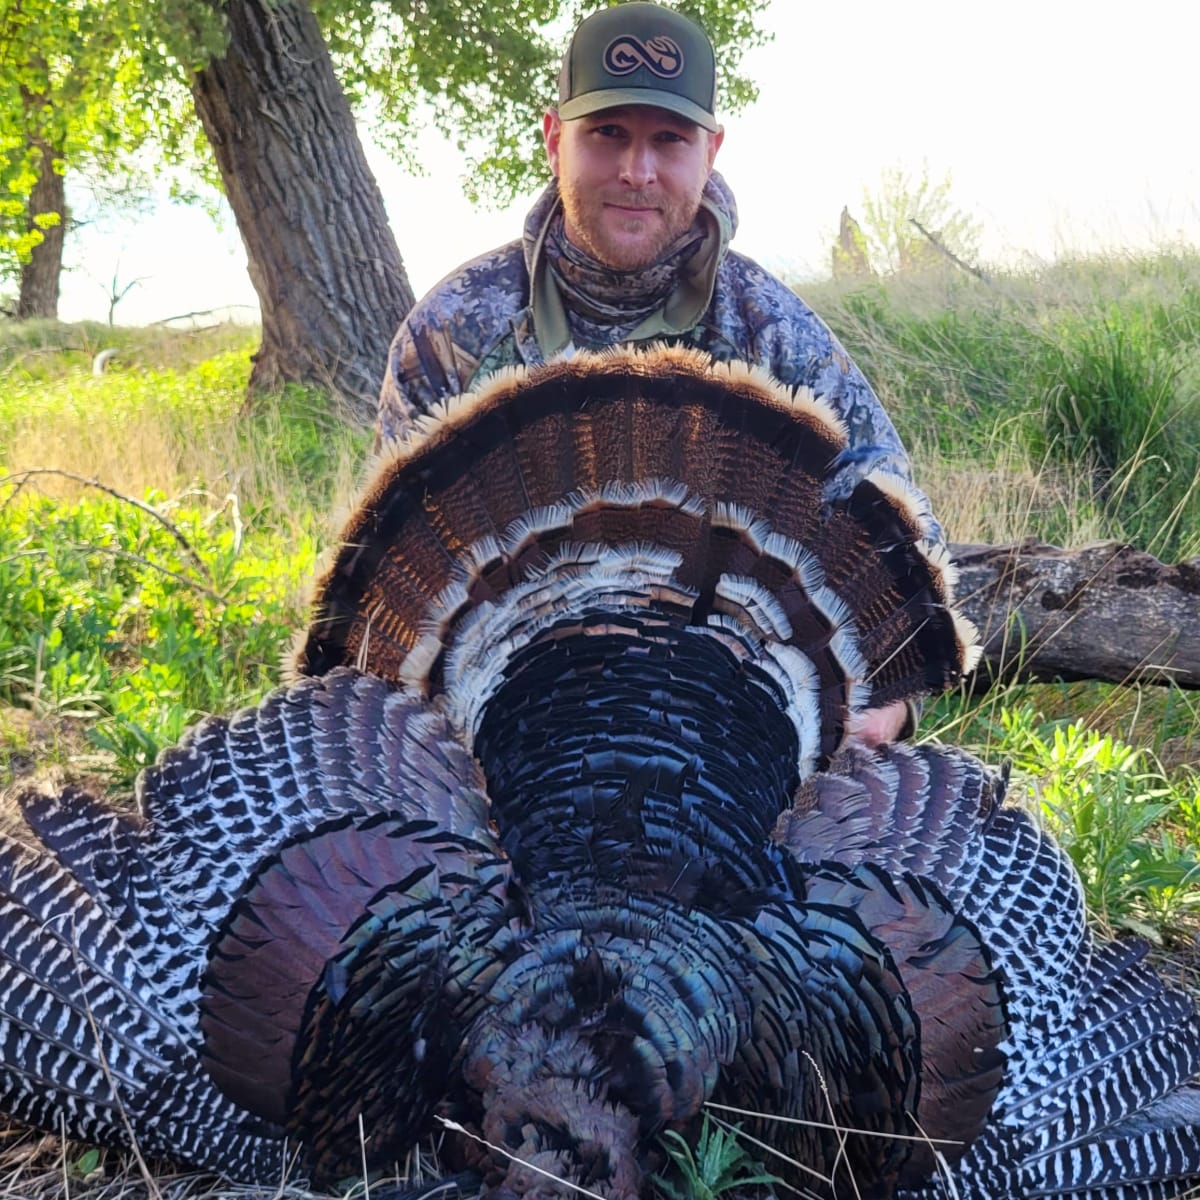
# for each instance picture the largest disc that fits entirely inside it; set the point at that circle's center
(144, 456)
(150, 452)
(37, 1166)
(1007, 500)
(169, 416)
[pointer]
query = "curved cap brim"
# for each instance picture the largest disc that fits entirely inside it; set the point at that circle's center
(592, 102)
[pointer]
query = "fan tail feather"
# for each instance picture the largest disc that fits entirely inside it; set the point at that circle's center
(637, 448)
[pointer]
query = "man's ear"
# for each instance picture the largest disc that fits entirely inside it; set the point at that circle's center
(714, 144)
(551, 135)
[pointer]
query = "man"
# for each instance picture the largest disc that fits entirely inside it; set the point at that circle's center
(630, 242)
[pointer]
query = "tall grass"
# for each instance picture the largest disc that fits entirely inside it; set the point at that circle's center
(170, 416)
(1062, 403)
(1085, 376)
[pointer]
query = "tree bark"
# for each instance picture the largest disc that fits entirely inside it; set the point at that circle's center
(322, 256)
(38, 295)
(1104, 611)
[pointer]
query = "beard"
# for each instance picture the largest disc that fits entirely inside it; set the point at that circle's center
(625, 242)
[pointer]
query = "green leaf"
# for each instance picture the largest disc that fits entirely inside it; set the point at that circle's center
(87, 1162)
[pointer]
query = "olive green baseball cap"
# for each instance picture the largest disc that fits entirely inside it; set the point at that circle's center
(639, 53)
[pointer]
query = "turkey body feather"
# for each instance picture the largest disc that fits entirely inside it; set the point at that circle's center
(558, 836)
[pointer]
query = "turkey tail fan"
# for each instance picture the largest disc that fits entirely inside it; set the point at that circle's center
(1099, 1097)
(712, 480)
(157, 971)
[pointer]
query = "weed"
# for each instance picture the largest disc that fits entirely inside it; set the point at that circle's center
(1109, 810)
(718, 1164)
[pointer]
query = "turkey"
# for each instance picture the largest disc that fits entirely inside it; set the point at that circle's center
(557, 836)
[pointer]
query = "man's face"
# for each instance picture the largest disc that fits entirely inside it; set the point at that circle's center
(630, 179)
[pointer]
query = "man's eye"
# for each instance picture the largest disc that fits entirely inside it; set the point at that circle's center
(608, 130)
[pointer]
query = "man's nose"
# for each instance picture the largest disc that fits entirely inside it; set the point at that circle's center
(639, 166)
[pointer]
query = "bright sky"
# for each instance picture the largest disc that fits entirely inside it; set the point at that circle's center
(1063, 125)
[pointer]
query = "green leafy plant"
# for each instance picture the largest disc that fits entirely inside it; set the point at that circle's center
(1109, 811)
(717, 1164)
(112, 622)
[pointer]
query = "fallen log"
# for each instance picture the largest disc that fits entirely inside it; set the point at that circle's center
(1103, 611)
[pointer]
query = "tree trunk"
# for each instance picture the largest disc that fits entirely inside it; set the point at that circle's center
(1104, 611)
(322, 257)
(38, 296)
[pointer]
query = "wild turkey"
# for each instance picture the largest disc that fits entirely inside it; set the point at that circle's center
(559, 838)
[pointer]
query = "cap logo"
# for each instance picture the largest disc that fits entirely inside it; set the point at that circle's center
(659, 55)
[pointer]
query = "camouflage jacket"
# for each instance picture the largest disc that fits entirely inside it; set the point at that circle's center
(501, 309)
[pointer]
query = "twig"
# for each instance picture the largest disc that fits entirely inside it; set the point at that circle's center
(362, 1147)
(202, 312)
(867, 1133)
(938, 244)
(133, 1147)
(457, 1128)
(169, 526)
(115, 297)
(66, 1173)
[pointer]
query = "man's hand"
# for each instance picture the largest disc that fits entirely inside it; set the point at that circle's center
(874, 726)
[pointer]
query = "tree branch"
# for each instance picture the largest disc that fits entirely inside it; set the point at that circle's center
(21, 477)
(938, 244)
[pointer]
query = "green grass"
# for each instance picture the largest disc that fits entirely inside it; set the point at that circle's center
(52, 351)
(1088, 369)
